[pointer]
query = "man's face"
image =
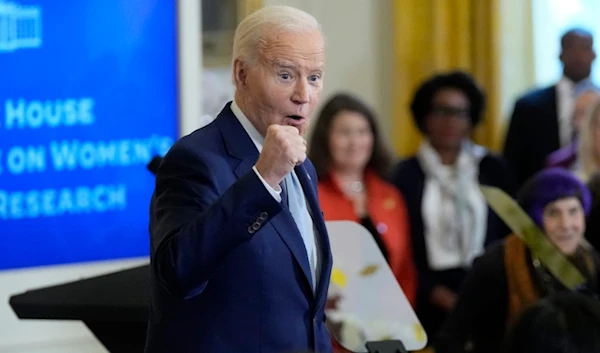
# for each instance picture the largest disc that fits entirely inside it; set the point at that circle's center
(283, 85)
(577, 56)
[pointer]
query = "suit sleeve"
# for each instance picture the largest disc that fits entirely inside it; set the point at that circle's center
(517, 141)
(310, 169)
(196, 225)
(275, 193)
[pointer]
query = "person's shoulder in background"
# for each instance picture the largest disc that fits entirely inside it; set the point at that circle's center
(594, 186)
(496, 171)
(405, 171)
(563, 322)
(537, 96)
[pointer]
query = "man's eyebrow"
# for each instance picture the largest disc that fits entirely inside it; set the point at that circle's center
(283, 64)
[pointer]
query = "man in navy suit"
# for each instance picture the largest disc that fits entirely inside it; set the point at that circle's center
(541, 120)
(240, 254)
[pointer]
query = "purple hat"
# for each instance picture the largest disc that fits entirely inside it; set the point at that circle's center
(548, 186)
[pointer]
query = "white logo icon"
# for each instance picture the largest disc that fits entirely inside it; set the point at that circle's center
(20, 26)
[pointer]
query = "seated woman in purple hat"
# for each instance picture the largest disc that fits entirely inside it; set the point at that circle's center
(507, 279)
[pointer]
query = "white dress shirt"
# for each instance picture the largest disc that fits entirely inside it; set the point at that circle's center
(566, 95)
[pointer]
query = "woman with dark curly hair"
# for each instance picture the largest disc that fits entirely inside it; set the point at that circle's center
(450, 221)
(508, 279)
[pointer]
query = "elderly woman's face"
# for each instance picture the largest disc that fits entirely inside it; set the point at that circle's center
(564, 223)
(448, 121)
(350, 141)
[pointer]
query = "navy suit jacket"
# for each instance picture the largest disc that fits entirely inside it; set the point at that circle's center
(230, 271)
(533, 133)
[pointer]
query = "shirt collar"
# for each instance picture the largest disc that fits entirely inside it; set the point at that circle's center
(566, 82)
(251, 130)
(568, 85)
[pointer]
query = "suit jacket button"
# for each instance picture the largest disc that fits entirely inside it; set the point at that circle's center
(263, 216)
(251, 230)
(256, 226)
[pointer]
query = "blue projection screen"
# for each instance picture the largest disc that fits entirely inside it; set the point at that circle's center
(88, 95)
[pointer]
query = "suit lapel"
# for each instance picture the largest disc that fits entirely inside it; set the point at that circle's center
(285, 227)
(288, 231)
(309, 187)
(240, 146)
(237, 142)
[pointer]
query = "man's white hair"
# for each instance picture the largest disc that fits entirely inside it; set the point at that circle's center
(268, 20)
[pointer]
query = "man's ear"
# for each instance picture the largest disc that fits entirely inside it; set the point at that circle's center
(240, 73)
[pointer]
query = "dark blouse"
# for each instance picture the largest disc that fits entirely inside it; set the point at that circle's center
(367, 222)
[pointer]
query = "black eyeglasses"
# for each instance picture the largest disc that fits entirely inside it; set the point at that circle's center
(447, 111)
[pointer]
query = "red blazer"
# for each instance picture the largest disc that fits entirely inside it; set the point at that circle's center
(387, 209)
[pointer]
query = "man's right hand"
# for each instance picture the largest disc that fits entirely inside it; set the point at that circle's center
(284, 148)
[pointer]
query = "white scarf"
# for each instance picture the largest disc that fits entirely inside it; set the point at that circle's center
(453, 208)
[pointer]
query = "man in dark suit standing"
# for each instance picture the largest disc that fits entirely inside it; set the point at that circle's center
(240, 254)
(541, 120)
